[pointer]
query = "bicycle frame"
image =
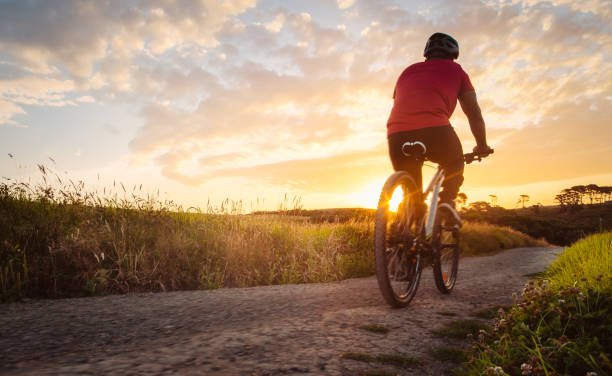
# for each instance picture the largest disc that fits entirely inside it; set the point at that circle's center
(434, 188)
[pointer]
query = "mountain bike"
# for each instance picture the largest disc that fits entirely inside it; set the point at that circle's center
(416, 234)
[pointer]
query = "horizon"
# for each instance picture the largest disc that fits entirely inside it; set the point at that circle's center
(254, 101)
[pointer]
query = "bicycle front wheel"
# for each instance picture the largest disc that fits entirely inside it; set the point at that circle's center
(398, 262)
(445, 244)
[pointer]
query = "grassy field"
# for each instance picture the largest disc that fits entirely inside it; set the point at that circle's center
(561, 326)
(556, 225)
(67, 242)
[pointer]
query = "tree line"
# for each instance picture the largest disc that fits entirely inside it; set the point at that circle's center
(540, 221)
(578, 195)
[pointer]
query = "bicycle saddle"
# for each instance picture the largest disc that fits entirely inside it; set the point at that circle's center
(415, 149)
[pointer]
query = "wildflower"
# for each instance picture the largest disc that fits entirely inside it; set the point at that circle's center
(526, 369)
(481, 335)
(598, 278)
(583, 279)
(495, 371)
(591, 374)
(562, 301)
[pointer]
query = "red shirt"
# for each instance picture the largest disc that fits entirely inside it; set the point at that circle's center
(426, 95)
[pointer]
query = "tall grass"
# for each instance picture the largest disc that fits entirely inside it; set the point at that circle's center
(562, 324)
(58, 240)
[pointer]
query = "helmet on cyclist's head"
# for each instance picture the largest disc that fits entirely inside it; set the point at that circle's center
(441, 45)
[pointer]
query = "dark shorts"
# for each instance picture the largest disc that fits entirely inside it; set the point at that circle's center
(443, 147)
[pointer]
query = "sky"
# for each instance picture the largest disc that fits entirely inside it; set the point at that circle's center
(255, 101)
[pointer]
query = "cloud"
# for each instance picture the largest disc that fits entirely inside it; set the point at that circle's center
(75, 34)
(31, 90)
(7, 111)
(44, 35)
(37, 90)
(344, 4)
(331, 174)
(275, 118)
(86, 99)
(97, 44)
(276, 25)
(224, 89)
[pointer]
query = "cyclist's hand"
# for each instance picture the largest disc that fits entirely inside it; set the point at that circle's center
(482, 150)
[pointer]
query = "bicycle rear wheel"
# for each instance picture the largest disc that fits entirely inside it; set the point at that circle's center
(445, 244)
(398, 263)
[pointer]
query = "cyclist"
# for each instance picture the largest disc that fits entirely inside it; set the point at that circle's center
(425, 97)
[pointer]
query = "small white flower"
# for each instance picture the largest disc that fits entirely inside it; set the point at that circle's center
(495, 371)
(592, 374)
(526, 369)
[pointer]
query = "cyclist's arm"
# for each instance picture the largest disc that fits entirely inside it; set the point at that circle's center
(469, 105)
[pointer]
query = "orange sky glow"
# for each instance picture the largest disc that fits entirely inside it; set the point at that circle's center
(254, 100)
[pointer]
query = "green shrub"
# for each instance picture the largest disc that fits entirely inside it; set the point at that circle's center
(483, 239)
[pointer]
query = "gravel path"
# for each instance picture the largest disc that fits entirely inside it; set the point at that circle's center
(270, 330)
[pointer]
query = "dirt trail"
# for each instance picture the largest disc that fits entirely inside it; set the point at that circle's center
(270, 330)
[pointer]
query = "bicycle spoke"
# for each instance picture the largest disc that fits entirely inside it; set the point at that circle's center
(397, 268)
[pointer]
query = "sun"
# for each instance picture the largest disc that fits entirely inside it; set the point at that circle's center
(368, 195)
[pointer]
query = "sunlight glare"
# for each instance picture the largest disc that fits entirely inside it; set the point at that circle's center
(368, 196)
(396, 199)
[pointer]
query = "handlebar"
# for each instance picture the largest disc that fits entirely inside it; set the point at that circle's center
(471, 157)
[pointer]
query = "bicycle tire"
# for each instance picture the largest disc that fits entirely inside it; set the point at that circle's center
(398, 268)
(445, 245)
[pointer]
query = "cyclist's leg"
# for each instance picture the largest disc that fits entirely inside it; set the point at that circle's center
(444, 148)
